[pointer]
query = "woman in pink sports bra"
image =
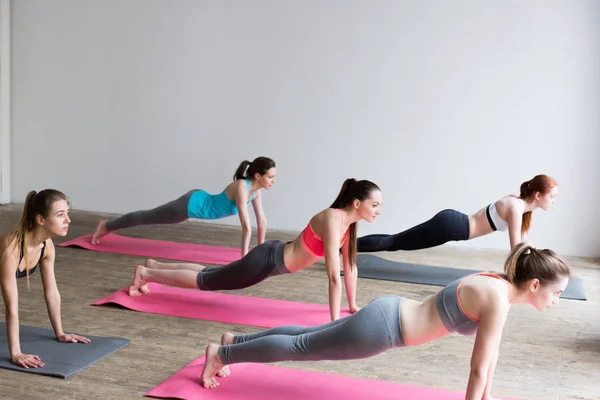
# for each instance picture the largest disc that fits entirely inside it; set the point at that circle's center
(326, 232)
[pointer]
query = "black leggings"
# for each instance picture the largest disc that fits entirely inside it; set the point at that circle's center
(261, 262)
(445, 226)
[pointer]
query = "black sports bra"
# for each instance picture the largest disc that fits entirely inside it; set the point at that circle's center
(22, 274)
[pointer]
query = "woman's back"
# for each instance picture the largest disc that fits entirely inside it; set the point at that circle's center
(457, 307)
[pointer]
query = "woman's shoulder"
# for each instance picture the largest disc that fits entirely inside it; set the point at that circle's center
(8, 249)
(487, 287)
(239, 185)
(49, 245)
(511, 203)
(325, 218)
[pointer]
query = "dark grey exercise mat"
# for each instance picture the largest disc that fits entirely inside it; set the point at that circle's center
(373, 267)
(61, 359)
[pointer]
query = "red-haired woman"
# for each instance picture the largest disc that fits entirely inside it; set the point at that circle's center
(512, 213)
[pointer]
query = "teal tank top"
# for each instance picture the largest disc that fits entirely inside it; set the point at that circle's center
(204, 205)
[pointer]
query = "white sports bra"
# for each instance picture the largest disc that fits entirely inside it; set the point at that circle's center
(496, 222)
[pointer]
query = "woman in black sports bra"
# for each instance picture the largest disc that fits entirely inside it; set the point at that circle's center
(45, 214)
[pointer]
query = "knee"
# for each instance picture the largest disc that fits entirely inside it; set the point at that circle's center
(291, 330)
(207, 282)
(300, 344)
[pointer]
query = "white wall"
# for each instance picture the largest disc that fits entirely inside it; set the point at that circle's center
(5, 147)
(125, 104)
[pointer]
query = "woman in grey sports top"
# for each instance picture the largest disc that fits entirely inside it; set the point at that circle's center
(477, 303)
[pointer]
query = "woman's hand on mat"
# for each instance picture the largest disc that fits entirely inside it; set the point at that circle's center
(27, 360)
(68, 337)
(354, 309)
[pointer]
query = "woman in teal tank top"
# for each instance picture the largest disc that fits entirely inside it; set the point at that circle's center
(248, 179)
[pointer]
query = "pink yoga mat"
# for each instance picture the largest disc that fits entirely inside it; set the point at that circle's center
(266, 382)
(221, 307)
(113, 243)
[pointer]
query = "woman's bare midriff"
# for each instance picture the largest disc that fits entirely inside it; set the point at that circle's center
(479, 224)
(296, 258)
(420, 322)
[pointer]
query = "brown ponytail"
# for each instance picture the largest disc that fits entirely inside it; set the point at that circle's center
(525, 262)
(19, 235)
(247, 169)
(351, 190)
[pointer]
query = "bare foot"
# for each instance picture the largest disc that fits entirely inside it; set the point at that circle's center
(212, 364)
(144, 289)
(227, 338)
(138, 285)
(223, 372)
(150, 264)
(99, 232)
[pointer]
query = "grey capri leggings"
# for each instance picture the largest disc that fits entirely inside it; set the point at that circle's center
(170, 213)
(261, 262)
(372, 330)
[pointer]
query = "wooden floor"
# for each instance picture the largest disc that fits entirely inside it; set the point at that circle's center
(546, 356)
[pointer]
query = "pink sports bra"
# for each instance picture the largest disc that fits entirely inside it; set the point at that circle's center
(313, 243)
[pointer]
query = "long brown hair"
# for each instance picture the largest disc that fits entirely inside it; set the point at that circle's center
(351, 190)
(35, 203)
(539, 183)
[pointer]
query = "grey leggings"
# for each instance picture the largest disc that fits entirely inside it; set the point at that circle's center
(171, 213)
(372, 330)
(261, 262)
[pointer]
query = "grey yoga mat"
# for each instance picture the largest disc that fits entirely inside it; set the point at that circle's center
(61, 359)
(373, 267)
